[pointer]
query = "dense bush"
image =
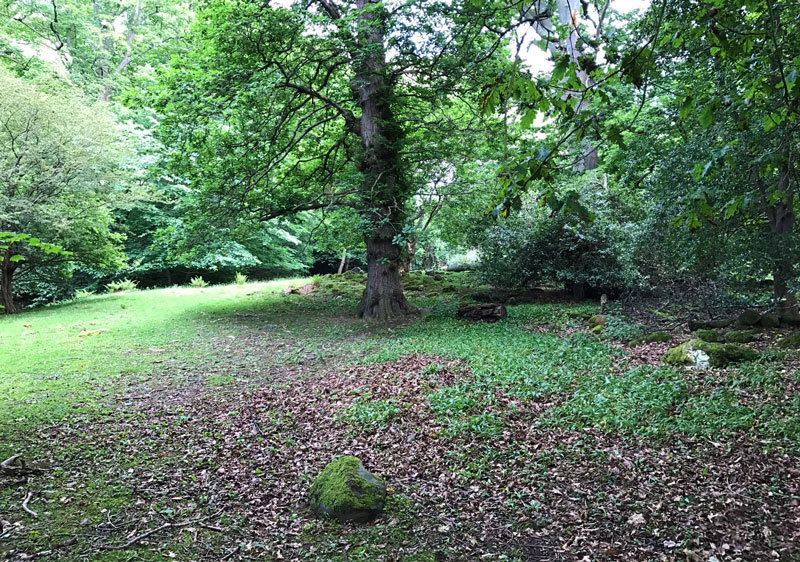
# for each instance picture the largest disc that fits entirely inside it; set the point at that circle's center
(536, 246)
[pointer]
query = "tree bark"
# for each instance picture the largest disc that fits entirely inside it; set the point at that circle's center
(781, 221)
(384, 188)
(408, 257)
(383, 298)
(568, 14)
(6, 281)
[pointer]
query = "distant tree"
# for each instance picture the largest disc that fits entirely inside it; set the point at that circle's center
(59, 162)
(104, 46)
(733, 68)
(329, 104)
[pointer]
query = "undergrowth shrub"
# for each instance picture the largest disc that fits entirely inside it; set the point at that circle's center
(619, 329)
(375, 414)
(83, 294)
(122, 285)
(198, 282)
(539, 247)
(240, 278)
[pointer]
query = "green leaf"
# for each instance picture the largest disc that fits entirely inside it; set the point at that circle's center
(562, 64)
(707, 115)
(528, 118)
(772, 120)
(686, 107)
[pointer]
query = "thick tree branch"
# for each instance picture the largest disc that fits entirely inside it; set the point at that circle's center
(348, 115)
(330, 8)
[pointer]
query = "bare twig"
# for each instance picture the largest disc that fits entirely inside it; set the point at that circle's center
(6, 464)
(25, 505)
(231, 554)
(163, 527)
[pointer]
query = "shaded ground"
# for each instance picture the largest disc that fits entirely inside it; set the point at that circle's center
(524, 440)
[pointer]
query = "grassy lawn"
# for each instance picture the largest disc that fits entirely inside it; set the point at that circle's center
(205, 414)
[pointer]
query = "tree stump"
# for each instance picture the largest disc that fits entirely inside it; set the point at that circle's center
(482, 312)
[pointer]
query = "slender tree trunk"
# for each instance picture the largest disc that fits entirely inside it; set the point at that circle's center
(781, 220)
(408, 256)
(6, 294)
(385, 190)
(569, 15)
(343, 262)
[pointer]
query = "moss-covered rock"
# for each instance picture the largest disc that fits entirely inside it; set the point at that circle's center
(719, 354)
(770, 320)
(597, 320)
(679, 355)
(711, 336)
(748, 318)
(741, 336)
(346, 491)
(790, 342)
(653, 337)
(597, 329)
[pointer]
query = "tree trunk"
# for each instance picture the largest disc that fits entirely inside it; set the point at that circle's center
(384, 187)
(343, 263)
(568, 14)
(408, 257)
(383, 297)
(6, 295)
(781, 220)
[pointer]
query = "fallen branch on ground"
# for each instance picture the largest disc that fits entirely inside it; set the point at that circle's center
(25, 505)
(15, 466)
(163, 527)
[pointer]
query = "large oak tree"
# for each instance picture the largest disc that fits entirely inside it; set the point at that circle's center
(324, 104)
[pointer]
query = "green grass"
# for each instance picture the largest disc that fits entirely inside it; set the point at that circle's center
(65, 355)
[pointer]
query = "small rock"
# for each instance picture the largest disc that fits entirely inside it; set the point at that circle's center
(346, 491)
(637, 520)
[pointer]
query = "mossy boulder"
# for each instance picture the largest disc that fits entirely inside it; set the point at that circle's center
(695, 352)
(653, 337)
(770, 320)
(711, 336)
(749, 318)
(741, 336)
(790, 342)
(679, 355)
(346, 491)
(597, 320)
